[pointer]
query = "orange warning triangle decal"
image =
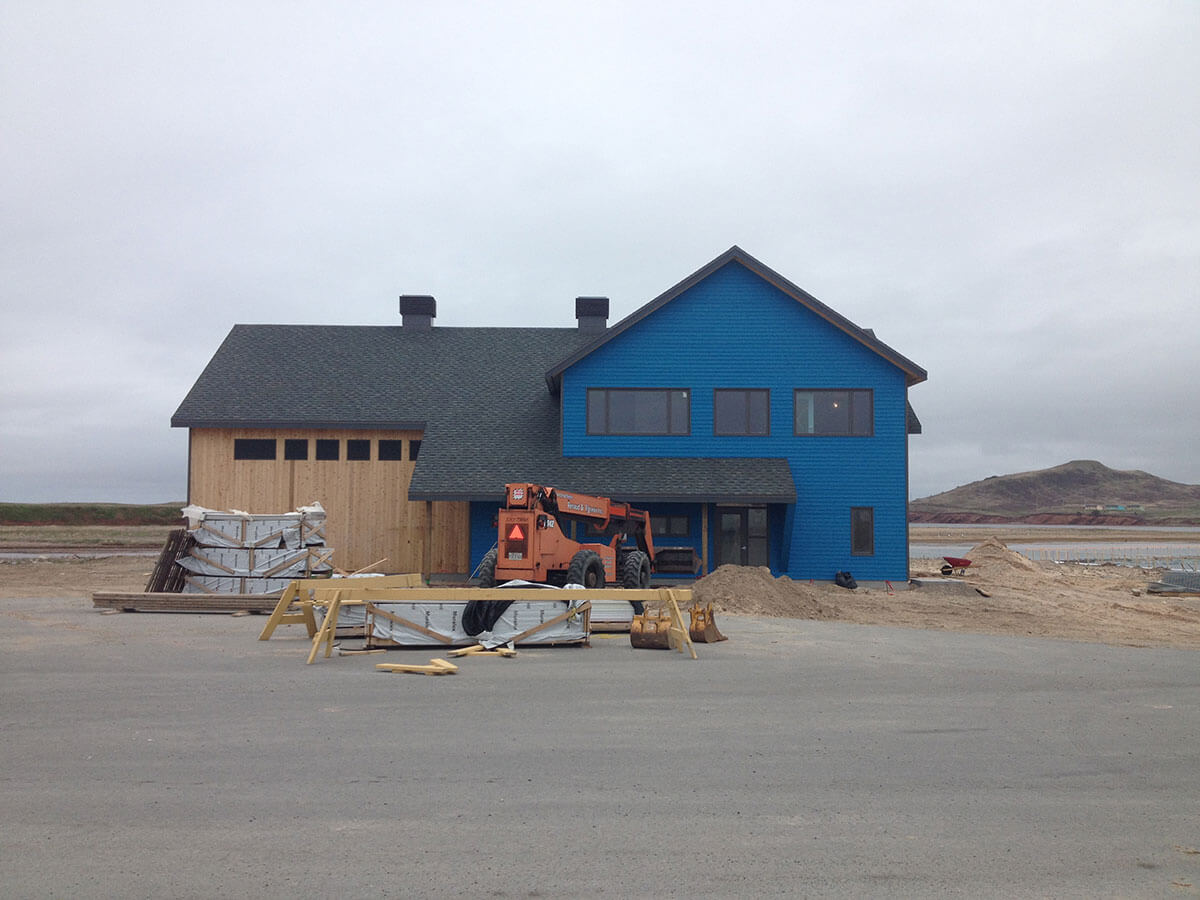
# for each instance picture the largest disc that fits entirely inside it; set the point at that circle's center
(516, 534)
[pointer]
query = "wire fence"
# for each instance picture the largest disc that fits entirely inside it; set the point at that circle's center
(1121, 555)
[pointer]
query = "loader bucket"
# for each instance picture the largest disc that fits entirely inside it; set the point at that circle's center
(651, 630)
(703, 628)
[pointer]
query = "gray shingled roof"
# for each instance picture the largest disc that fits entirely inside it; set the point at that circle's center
(479, 394)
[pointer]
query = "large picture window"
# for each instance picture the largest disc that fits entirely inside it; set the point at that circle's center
(741, 411)
(639, 411)
(835, 412)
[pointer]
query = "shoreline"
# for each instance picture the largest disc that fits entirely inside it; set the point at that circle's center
(1017, 533)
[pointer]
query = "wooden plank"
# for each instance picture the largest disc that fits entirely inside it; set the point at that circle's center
(480, 650)
(191, 603)
(325, 634)
(287, 597)
(435, 667)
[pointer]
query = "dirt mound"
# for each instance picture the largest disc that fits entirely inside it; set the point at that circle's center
(754, 591)
(993, 554)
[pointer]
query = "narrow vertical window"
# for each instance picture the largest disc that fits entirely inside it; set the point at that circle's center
(862, 531)
(414, 449)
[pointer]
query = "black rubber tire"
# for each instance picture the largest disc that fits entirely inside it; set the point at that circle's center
(635, 575)
(587, 569)
(635, 570)
(487, 569)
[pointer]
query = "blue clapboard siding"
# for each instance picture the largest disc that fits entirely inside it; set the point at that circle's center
(736, 330)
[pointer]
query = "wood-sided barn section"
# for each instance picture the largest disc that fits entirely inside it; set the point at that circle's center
(361, 477)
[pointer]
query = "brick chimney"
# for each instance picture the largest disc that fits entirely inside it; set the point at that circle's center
(592, 313)
(417, 311)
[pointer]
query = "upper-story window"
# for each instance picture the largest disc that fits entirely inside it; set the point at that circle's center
(639, 411)
(835, 412)
(741, 411)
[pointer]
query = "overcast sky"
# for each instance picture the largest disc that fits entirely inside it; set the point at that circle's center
(1007, 193)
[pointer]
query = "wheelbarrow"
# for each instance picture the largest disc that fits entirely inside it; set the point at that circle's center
(955, 565)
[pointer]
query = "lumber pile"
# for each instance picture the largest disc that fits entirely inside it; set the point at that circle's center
(232, 552)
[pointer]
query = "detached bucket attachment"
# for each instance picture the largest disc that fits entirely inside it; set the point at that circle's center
(703, 629)
(651, 630)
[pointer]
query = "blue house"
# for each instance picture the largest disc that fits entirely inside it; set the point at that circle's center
(757, 425)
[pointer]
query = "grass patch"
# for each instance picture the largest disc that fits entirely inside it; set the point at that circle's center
(77, 515)
(99, 536)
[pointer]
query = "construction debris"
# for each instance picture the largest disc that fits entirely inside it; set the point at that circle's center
(480, 650)
(435, 667)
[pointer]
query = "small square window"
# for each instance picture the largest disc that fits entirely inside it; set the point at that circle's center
(328, 448)
(358, 449)
(295, 448)
(741, 412)
(391, 450)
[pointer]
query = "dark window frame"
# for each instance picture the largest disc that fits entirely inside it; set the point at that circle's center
(855, 397)
(747, 416)
(325, 445)
(664, 525)
(673, 395)
(295, 448)
(414, 449)
(391, 450)
(859, 547)
(261, 449)
(358, 449)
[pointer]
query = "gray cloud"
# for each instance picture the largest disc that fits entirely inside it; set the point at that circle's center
(1005, 193)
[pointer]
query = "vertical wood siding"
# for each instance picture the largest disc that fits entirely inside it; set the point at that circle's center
(369, 514)
(736, 330)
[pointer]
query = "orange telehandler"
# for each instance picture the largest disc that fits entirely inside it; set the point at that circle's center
(532, 545)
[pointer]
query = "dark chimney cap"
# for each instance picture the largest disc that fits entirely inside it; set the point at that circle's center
(591, 306)
(417, 311)
(592, 313)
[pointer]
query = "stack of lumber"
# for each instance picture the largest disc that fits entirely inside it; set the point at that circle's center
(238, 553)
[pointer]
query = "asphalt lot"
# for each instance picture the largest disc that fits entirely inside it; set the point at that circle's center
(177, 756)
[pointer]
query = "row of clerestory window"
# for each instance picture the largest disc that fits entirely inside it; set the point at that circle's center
(326, 449)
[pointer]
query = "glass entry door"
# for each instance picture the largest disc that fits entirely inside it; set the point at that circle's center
(743, 536)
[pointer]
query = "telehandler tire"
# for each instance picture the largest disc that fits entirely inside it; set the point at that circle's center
(587, 569)
(635, 570)
(487, 569)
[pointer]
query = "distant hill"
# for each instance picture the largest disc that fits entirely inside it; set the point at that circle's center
(1080, 492)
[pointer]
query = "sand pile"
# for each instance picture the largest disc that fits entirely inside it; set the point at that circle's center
(994, 556)
(754, 591)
